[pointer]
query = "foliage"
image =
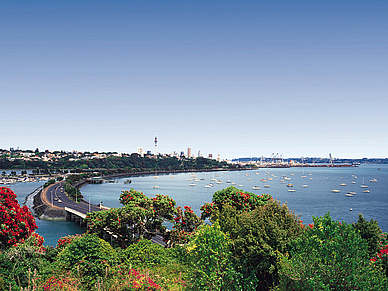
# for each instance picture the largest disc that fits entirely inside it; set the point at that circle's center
(64, 241)
(48, 183)
(16, 223)
(329, 256)
(19, 262)
(258, 237)
(185, 223)
(88, 256)
(371, 232)
(237, 198)
(140, 217)
(209, 256)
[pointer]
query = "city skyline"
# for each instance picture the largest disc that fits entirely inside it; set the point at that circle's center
(235, 78)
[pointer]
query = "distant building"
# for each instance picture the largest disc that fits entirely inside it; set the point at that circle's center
(182, 154)
(140, 151)
(210, 156)
(218, 158)
(199, 154)
(189, 152)
(149, 153)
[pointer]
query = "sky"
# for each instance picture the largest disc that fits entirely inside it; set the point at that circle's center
(234, 78)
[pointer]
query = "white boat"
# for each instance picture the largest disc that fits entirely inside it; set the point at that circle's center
(342, 184)
(348, 195)
(352, 192)
(366, 191)
(232, 183)
(291, 190)
(267, 186)
(373, 180)
(290, 185)
(363, 184)
(256, 188)
(193, 184)
(208, 186)
(304, 186)
(335, 191)
(240, 185)
(156, 187)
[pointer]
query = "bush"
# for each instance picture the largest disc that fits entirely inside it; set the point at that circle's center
(209, 255)
(258, 237)
(330, 256)
(87, 257)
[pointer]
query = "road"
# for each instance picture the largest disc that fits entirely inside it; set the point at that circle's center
(55, 197)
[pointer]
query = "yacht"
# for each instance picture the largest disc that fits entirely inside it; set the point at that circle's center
(256, 188)
(335, 191)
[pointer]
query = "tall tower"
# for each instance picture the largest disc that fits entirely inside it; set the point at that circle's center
(156, 145)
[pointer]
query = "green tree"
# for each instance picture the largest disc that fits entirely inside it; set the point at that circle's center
(87, 257)
(371, 232)
(209, 255)
(258, 237)
(330, 256)
(237, 198)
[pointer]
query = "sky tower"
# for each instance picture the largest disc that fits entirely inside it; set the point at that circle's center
(156, 145)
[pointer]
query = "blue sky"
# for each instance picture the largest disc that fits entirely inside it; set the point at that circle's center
(235, 78)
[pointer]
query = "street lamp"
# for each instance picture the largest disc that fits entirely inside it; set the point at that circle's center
(89, 200)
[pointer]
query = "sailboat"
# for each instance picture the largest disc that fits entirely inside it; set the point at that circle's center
(303, 175)
(256, 187)
(363, 184)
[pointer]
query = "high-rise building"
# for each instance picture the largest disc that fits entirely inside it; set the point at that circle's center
(199, 154)
(189, 152)
(140, 151)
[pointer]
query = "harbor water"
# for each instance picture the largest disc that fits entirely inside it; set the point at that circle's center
(313, 194)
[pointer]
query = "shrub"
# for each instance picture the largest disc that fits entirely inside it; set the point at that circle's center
(330, 256)
(209, 255)
(258, 237)
(87, 257)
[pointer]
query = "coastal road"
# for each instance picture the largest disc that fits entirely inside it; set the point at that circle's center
(55, 197)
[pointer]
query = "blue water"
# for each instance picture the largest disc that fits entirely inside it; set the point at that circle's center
(50, 230)
(317, 199)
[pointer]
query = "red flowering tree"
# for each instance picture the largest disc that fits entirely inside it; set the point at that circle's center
(236, 198)
(185, 223)
(140, 217)
(16, 223)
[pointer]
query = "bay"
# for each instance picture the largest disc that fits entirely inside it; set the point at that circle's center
(315, 199)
